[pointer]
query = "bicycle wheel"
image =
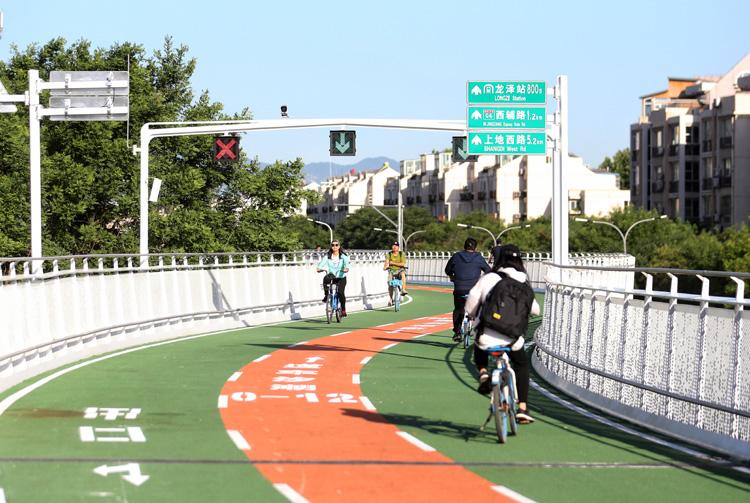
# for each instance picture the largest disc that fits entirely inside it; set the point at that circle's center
(329, 310)
(508, 391)
(338, 315)
(501, 415)
(396, 298)
(466, 331)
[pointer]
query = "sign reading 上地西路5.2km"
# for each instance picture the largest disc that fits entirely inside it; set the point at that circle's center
(521, 92)
(491, 117)
(507, 143)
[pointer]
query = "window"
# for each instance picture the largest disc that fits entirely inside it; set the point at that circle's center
(725, 207)
(726, 169)
(674, 171)
(708, 167)
(708, 205)
(691, 209)
(637, 140)
(658, 133)
(674, 132)
(708, 133)
(725, 127)
(637, 176)
(691, 135)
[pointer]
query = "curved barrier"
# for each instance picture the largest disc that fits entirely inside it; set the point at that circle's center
(74, 310)
(673, 361)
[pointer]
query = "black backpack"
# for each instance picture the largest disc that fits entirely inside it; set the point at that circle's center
(506, 308)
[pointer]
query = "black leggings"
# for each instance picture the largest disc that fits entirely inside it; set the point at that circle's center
(341, 282)
(520, 363)
(459, 302)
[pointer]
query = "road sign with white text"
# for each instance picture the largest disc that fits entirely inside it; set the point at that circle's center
(508, 143)
(506, 92)
(505, 117)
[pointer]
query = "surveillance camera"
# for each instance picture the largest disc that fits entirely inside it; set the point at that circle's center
(283, 111)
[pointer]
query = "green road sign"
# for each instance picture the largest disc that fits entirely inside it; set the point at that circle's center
(342, 142)
(461, 150)
(506, 92)
(506, 117)
(502, 143)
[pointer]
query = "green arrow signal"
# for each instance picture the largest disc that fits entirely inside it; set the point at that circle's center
(462, 151)
(342, 145)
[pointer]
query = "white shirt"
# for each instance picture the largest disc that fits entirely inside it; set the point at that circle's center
(478, 295)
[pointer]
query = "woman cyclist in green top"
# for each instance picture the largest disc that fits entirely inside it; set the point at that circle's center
(395, 262)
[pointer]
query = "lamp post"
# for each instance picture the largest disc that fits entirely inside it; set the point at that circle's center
(627, 232)
(470, 226)
(497, 239)
(406, 241)
(330, 231)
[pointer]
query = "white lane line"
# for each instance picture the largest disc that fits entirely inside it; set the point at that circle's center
(223, 401)
(365, 360)
(340, 333)
(415, 441)
(238, 440)
(510, 493)
(367, 403)
(419, 336)
(355, 378)
(383, 325)
(235, 376)
(301, 343)
(261, 358)
(389, 346)
(290, 493)
(621, 427)
(2, 495)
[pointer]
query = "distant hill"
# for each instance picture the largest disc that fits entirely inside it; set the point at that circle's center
(319, 171)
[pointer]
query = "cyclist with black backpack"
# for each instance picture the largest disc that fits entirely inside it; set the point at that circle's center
(501, 303)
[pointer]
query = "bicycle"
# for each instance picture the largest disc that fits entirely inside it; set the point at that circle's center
(504, 395)
(466, 332)
(394, 287)
(333, 306)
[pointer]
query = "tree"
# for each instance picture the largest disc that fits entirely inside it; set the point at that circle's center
(620, 164)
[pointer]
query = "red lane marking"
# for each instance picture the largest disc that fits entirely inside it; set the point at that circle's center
(301, 404)
(431, 288)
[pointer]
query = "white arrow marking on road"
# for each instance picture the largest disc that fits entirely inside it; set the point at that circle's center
(133, 470)
(476, 115)
(476, 141)
(476, 90)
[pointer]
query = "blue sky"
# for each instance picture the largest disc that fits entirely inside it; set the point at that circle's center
(409, 59)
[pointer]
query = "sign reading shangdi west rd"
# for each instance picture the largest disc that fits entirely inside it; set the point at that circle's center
(506, 92)
(506, 117)
(500, 143)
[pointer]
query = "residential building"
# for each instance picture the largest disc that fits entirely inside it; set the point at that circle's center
(691, 149)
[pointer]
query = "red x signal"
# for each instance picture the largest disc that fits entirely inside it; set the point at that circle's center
(226, 148)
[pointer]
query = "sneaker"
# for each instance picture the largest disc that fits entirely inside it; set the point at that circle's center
(343, 313)
(457, 337)
(404, 292)
(485, 385)
(390, 303)
(523, 417)
(325, 299)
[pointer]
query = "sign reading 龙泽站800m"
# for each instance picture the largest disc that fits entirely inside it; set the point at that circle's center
(521, 92)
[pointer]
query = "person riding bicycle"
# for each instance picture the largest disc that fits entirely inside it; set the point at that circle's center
(336, 264)
(464, 269)
(395, 264)
(506, 260)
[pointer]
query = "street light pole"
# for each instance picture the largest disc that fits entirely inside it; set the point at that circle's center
(623, 236)
(470, 226)
(625, 239)
(406, 241)
(497, 239)
(330, 231)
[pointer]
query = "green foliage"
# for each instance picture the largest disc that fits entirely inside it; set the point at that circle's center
(90, 179)
(620, 164)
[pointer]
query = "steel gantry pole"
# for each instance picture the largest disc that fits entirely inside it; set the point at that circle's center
(35, 172)
(559, 176)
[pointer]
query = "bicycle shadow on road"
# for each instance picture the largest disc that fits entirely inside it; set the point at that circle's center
(462, 431)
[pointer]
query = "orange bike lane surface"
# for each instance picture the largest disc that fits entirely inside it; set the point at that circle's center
(299, 415)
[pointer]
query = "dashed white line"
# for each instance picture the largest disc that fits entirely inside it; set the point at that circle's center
(341, 333)
(512, 494)
(2, 495)
(301, 343)
(419, 336)
(290, 493)
(389, 346)
(367, 403)
(235, 376)
(383, 325)
(365, 360)
(238, 440)
(261, 358)
(223, 401)
(355, 378)
(415, 441)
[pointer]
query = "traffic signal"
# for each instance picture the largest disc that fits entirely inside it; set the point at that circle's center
(460, 150)
(226, 148)
(343, 142)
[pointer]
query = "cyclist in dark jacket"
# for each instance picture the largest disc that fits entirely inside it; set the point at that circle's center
(464, 269)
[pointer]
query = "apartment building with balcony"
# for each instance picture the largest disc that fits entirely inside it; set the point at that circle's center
(691, 149)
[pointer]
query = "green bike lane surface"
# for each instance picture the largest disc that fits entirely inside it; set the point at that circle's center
(424, 386)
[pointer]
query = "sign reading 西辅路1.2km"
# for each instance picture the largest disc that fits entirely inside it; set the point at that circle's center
(484, 92)
(488, 117)
(505, 143)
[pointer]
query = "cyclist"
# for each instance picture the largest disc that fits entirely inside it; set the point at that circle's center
(464, 269)
(336, 264)
(395, 262)
(506, 259)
